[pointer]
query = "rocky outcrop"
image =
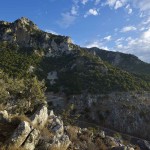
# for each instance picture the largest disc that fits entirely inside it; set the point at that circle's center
(39, 118)
(20, 134)
(32, 140)
(59, 140)
(29, 134)
(130, 108)
(87, 139)
(25, 33)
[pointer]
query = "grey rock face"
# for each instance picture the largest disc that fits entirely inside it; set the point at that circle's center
(32, 140)
(20, 134)
(59, 140)
(55, 125)
(124, 111)
(40, 117)
(25, 33)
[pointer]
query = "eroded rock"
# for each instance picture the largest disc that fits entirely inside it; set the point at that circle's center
(32, 140)
(40, 117)
(20, 134)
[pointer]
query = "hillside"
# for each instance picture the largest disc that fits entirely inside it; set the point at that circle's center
(123, 61)
(65, 67)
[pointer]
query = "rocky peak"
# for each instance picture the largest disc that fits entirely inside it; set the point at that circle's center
(25, 22)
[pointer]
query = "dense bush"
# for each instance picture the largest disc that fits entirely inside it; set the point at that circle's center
(16, 63)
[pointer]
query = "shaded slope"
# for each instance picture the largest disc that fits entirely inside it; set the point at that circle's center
(126, 62)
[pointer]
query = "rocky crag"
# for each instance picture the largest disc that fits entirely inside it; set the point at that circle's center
(43, 130)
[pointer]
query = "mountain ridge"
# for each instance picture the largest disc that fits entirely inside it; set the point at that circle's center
(94, 89)
(71, 68)
(128, 62)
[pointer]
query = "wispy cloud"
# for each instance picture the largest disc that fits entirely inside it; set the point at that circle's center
(116, 3)
(138, 46)
(95, 43)
(143, 5)
(67, 19)
(128, 28)
(129, 9)
(51, 31)
(108, 38)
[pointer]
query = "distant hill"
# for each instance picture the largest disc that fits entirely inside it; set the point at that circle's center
(124, 61)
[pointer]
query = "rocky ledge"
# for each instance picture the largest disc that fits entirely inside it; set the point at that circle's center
(45, 131)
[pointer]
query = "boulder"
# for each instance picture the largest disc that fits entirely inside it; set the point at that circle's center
(55, 125)
(101, 134)
(32, 140)
(39, 118)
(20, 134)
(59, 144)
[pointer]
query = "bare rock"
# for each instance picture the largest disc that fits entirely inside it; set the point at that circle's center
(55, 125)
(40, 117)
(32, 140)
(20, 134)
(59, 144)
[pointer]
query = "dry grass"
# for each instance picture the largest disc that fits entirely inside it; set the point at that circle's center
(18, 119)
(11, 148)
(100, 144)
(56, 148)
(46, 134)
(2, 107)
(72, 132)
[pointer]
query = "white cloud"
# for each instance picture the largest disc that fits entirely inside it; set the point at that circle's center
(147, 21)
(129, 9)
(51, 31)
(93, 12)
(108, 38)
(67, 20)
(118, 4)
(146, 35)
(84, 1)
(138, 46)
(143, 5)
(128, 28)
(111, 2)
(96, 44)
(119, 41)
(74, 10)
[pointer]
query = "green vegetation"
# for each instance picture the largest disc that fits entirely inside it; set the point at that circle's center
(78, 72)
(83, 71)
(24, 93)
(126, 62)
(16, 63)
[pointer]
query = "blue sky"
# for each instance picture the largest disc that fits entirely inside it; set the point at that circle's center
(117, 25)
